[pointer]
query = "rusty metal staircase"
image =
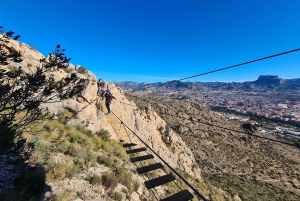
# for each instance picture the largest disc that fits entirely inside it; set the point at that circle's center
(138, 151)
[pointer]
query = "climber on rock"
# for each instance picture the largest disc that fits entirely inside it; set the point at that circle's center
(108, 98)
(147, 110)
(101, 91)
(168, 136)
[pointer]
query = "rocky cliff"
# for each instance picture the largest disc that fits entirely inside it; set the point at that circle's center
(268, 80)
(88, 110)
(228, 155)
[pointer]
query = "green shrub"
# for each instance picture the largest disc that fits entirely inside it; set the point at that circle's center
(57, 172)
(73, 169)
(66, 115)
(78, 164)
(39, 145)
(109, 180)
(89, 159)
(124, 177)
(136, 185)
(95, 179)
(82, 139)
(66, 147)
(74, 136)
(81, 70)
(104, 134)
(97, 142)
(29, 65)
(106, 160)
(55, 125)
(172, 187)
(83, 129)
(108, 148)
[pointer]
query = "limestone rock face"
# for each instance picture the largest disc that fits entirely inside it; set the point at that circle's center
(176, 153)
(31, 57)
(170, 147)
(89, 110)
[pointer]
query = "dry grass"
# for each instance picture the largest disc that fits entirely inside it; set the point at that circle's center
(109, 180)
(95, 179)
(225, 155)
(66, 196)
(79, 150)
(57, 172)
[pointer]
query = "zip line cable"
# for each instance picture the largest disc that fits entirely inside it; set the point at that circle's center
(173, 170)
(210, 124)
(225, 68)
(229, 129)
(229, 67)
(210, 72)
(207, 123)
(241, 64)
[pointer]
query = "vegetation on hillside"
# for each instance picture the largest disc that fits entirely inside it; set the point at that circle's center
(22, 93)
(228, 157)
(51, 151)
(78, 149)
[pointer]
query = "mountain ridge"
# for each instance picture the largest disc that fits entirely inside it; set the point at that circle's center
(264, 82)
(229, 156)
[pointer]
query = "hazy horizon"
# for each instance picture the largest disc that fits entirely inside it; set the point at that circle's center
(215, 81)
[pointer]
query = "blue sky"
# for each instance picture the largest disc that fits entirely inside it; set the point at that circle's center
(157, 41)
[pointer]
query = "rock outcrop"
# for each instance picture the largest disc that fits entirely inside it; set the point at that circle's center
(87, 112)
(268, 80)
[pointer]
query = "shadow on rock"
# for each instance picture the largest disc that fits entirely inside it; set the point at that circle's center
(20, 181)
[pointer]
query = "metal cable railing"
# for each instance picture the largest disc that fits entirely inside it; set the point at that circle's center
(172, 169)
(141, 164)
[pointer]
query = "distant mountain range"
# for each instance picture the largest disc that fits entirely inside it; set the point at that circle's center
(263, 83)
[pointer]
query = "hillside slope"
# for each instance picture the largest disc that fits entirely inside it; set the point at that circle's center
(74, 158)
(253, 168)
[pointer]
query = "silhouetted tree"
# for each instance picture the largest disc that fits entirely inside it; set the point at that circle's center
(23, 93)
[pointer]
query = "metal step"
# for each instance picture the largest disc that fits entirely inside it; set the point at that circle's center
(141, 158)
(180, 196)
(129, 145)
(149, 168)
(159, 181)
(132, 151)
